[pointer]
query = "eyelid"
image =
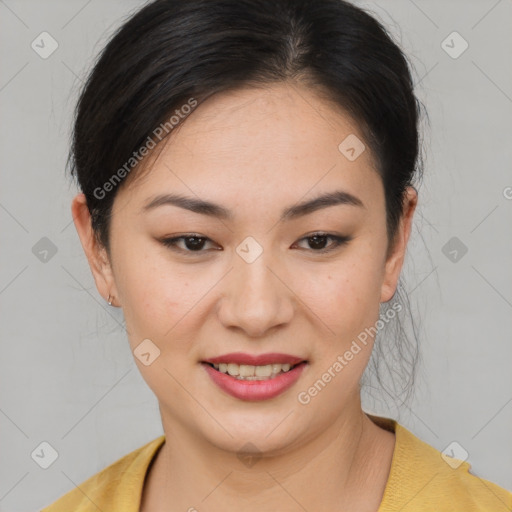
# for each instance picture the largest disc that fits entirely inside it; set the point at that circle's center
(170, 242)
(338, 241)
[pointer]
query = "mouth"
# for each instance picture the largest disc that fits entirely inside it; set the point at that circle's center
(249, 377)
(252, 372)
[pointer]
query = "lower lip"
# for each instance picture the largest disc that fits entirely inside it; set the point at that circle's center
(255, 389)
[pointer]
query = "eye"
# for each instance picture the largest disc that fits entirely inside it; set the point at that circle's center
(318, 240)
(192, 243)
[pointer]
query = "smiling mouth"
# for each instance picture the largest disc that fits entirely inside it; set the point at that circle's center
(251, 372)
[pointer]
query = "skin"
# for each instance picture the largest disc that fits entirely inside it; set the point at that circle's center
(256, 151)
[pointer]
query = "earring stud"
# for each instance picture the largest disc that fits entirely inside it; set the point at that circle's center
(109, 300)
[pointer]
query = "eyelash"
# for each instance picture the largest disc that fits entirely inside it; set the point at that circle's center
(338, 242)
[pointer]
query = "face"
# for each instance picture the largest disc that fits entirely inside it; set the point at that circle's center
(254, 280)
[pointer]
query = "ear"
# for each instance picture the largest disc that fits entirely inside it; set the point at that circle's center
(96, 253)
(395, 259)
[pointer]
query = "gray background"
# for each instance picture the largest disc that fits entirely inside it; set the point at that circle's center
(67, 375)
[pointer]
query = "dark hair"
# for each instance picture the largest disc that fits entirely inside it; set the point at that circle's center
(172, 51)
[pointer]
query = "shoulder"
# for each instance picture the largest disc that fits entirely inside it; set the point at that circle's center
(423, 479)
(116, 487)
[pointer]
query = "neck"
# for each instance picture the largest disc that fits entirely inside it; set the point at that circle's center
(341, 466)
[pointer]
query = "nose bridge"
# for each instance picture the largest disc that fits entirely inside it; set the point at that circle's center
(256, 299)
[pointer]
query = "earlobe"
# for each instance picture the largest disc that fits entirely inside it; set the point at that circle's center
(395, 260)
(392, 271)
(95, 253)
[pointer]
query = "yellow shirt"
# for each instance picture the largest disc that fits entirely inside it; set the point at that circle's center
(420, 480)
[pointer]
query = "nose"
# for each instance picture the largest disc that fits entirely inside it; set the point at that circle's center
(257, 297)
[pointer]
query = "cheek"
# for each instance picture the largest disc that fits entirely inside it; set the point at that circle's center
(158, 305)
(166, 303)
(344, 295)
(153, 298)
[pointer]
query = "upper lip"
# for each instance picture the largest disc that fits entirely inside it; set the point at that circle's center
(255, 360)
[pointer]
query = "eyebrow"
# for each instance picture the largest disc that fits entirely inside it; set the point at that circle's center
(338, 197)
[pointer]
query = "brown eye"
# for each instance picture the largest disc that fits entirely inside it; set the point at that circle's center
(317, 241)
(191, 243)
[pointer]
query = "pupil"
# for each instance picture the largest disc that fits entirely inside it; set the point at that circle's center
(315, 239)
(197, 245)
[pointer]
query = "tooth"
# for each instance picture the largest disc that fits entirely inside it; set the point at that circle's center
(246, 370)
(264, 371)
(216, 366)
(233, 369)
(250, 372)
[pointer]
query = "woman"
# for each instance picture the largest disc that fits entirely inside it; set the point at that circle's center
(247, 176)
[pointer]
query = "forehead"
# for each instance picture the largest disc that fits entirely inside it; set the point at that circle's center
(274, 143)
